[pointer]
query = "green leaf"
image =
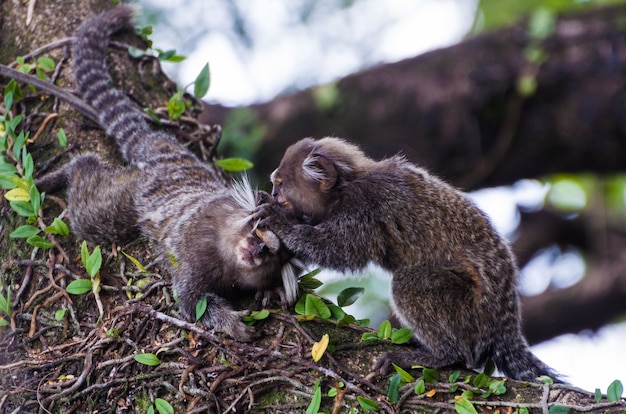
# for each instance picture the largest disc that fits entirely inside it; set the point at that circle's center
(463, 406)
(40, 242)
(367, 404)
(234, 164)
(615, 391)
(148, 359)
(163, 407)
(202, 83)
(346, 320)
(58, 227)
(309, 281)
(401, 336)
(150, 410)
(316, 401)
(60, 314)
(136, 262)
(79, 287)
(454, 377)
(350, 295)
(94, 261)
(259, 315)
(46, 64)
(558, 409)
(8, 101)
(497, 387)
(406, 377)
(299, 307)
(369, 337)
(201, 306)
(332, 392)
(23, 208)
(420, 387)
(430, 375)
(384, 330)
(170, 56)
(24, 232)
(541, 23)
(598, 395)
(62, 138)
(175, 106)
(84, 253)
(315, 306)
(5, 305)
(394, 388)
(481, 380)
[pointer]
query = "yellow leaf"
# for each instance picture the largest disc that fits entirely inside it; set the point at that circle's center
(431, 393)
(319, 348)
(17, 194)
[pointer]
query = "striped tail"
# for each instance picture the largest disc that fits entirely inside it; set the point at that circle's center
(118, 115)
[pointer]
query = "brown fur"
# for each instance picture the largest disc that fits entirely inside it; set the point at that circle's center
(454, 277)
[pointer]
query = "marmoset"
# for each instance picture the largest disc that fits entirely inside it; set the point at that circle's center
(453, 276)
(203, 226)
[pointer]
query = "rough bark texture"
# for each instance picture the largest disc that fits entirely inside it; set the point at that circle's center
(84, 362)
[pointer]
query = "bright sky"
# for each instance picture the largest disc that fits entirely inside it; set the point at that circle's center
(288, 55)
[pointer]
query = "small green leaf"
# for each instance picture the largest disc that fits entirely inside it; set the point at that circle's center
(150, 410)
(23, 208)
(369, 337)
(615, 391)
(367, 404)
(430, 375)
(401, 336)
(60, 314)
(201, 307)
(481, 380)
(346, 320)
(175, 106)
(39, 241)
(136, 262)
(299, 307)
(234, 164)
(148, 359)
(542, 23)
(84, 253)
(309, 281)
(315, 306)
(46, 64)
(163, 407)
(29, 166)
(497, 387)
(259, 315)
(316, 401)
(62, 138)
(332, 392)
(350, 295)
(598, 395)
(406, 377)
(463, 406)
(384, 331)
(394, 388)
(202, 83)
(24, 232)
(170, 56)
(454, 377)
(94, 261)
(8, 101)
(79, 287)
(558, 409)
(58, 227)
(420, 387)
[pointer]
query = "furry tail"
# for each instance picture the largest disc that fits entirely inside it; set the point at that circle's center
(118, 115)
(515, 360)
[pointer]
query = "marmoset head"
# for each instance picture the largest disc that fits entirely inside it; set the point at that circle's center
(312, 173)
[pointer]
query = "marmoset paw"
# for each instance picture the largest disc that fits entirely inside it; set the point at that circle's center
(400, 358)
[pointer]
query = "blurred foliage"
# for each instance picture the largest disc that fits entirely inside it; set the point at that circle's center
(492, 14)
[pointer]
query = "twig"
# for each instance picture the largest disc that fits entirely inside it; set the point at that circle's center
(60, 93)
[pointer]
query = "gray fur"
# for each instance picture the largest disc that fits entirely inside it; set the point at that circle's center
(454, 277)
(202, 224)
